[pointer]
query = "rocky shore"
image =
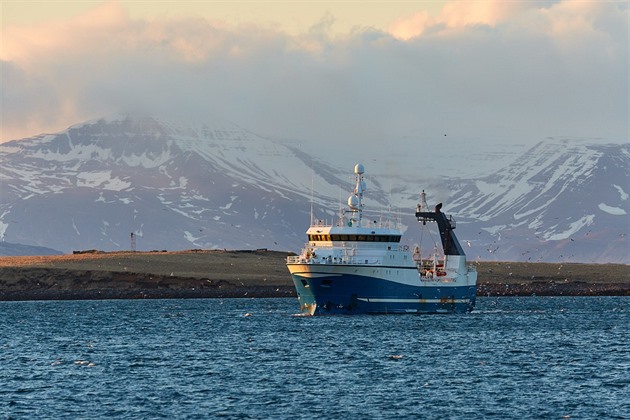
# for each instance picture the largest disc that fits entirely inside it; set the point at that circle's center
(256, 273)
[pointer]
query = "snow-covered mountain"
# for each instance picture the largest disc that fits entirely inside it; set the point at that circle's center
(560, 201)
(221, 186)
(94, 184)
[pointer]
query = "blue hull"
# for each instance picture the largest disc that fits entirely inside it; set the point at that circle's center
(355, 294)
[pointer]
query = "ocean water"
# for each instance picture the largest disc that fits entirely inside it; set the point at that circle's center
(533, 357)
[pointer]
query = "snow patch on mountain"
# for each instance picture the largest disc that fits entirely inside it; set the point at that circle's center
(146, 160)
(553, 235)
(616, 211)
(494, 230)
(191, 238)
(76, 229)
(103, 180)
(622, 194)
(3, 229)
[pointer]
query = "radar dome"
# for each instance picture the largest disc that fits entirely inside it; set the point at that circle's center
(359, 169)
(353, 202)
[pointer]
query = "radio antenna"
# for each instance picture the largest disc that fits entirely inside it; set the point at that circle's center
(312, 186)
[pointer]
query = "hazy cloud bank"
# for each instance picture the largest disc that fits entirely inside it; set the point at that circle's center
(513, 71)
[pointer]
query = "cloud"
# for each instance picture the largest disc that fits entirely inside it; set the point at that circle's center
(514, 71)
(458, 15)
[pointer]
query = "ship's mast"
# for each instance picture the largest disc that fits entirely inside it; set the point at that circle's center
(312, 184)
(355, 201)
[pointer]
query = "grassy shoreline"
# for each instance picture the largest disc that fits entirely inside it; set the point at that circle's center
(257, 273)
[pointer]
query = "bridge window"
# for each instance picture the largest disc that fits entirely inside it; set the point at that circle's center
(357, 238)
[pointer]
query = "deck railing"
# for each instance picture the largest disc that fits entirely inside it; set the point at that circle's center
(299, 259)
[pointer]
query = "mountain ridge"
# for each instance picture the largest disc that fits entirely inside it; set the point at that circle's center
(221, 186)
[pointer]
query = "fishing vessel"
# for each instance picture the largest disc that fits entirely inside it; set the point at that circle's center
(359, 266)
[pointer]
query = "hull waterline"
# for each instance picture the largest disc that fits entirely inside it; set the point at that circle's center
(355, 294)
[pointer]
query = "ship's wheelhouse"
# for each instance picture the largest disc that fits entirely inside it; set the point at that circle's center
(353, 238)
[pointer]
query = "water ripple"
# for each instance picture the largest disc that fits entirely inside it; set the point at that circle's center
(511, 358)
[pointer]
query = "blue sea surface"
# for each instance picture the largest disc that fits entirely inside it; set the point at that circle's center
(531, 357)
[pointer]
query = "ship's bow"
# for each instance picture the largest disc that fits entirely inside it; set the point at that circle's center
(306, 297)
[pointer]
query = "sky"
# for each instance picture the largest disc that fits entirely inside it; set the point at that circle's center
(329, 73)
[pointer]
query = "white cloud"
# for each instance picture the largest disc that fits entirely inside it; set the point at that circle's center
(460, 15)
(517, 71)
